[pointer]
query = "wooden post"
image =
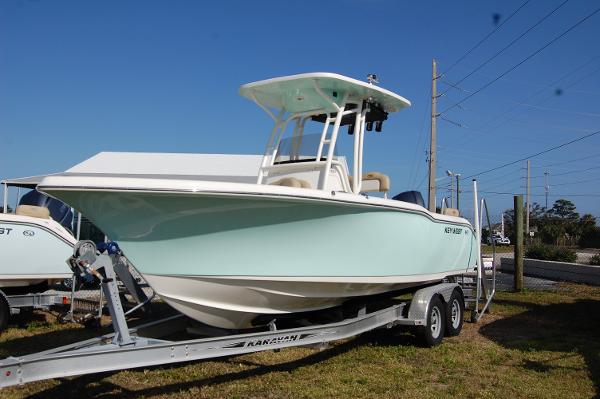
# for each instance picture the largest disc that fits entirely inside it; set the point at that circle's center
(518, 229)
(528, 199)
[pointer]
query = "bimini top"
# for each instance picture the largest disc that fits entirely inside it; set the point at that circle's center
(314, 91)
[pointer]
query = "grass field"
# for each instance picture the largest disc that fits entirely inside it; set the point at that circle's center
(488, 249)
(535, 345)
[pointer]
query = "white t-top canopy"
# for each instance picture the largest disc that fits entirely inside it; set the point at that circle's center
(305, 92)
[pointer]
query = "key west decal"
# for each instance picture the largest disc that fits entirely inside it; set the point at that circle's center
(453, 230)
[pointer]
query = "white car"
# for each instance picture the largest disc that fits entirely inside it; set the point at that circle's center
(499, 240)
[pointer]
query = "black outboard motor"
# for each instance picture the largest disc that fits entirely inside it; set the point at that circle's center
(59, 211)
(414, 197)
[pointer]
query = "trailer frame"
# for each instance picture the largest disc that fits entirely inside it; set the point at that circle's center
(140, 347)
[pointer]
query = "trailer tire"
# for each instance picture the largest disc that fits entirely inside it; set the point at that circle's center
(455, 311)
(4, 311)
(432, 333)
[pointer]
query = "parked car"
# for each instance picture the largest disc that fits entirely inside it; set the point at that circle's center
(498, 239)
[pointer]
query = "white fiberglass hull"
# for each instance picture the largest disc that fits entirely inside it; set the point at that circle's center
(32, 251)
(233, 303)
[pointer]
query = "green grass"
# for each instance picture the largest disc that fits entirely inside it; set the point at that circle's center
(534, 345)
(487, 249)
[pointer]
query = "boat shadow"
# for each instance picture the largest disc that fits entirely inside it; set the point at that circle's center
(568, 329)
(98, 385)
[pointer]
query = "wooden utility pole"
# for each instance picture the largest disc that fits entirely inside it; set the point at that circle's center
(433, 139)
(546, 188)
(518, 228)
(458, 192)
(528, 199)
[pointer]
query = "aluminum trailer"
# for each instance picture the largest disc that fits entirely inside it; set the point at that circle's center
(13, 304)
(435, 311)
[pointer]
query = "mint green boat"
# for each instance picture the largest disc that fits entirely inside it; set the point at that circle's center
(309, 234)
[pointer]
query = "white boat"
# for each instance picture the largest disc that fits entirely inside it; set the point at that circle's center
(34, 241)
(309, 233)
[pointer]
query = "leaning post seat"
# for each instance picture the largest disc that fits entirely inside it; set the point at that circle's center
(451, 212)
(292, 182)
(33, 211)
(374, 182)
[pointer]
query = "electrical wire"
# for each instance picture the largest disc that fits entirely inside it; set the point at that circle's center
(567, 173)
(510, 44)
(569, 183)
(536, 154)
(479, 43)
(557, 81)
(566, 162)
(530, 56)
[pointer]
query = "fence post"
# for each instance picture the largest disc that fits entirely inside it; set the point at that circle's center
(518, 229)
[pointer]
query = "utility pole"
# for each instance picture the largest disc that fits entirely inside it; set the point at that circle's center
(528, 199)
(502, 221)
(547, 188)
(518, 229)
(451, 191)
(433, 138)
(458, 192)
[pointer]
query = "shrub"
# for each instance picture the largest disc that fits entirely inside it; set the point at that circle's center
(590, 238)
(548, 252)
(595, 261)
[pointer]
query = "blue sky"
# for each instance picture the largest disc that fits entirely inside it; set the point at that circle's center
(78, 77)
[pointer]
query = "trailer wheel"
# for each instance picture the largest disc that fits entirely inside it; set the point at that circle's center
(433, 332)
(455, 310)
(4, 311)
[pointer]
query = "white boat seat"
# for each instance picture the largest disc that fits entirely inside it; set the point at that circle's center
(33, 211)
(374, 182)
(292, 182)
(450, 212)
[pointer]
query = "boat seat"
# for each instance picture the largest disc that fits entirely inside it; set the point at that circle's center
(374, 182)
(292, 182)
(33, 211)
(450, 212)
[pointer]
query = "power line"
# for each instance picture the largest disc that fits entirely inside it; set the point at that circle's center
(557, 81)
(570, 183)
(528, 98)
(568, 173)
(510, 44)
(486, 37)
(536, 154)
(414, 169)
(535, 195)
(522, 61)
(569, 161)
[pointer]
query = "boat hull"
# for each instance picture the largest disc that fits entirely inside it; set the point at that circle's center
(224, 259)
(32, 251)
(235, 303)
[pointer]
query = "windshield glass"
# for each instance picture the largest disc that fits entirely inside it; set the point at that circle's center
(300, 149)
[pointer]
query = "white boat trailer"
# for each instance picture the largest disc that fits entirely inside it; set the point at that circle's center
(139, 347)
(13, 304)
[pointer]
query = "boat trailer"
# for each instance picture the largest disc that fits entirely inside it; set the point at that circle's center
(434, 311)
(142, 347)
